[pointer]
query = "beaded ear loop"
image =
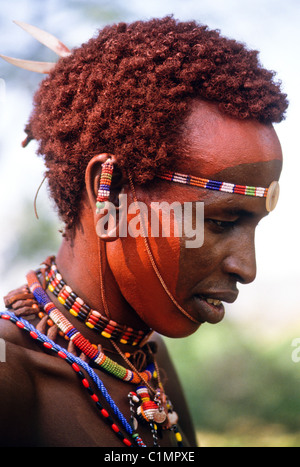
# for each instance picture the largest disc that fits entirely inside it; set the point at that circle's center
(104, 184)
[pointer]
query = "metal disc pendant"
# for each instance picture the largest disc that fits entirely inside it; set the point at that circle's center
(160, 416)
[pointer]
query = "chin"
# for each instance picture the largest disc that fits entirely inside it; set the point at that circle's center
(177, 330)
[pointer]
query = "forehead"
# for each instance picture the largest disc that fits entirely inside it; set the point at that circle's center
(214, 142)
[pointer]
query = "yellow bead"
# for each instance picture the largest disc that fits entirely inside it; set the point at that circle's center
(90, 325)
(178, 437)
(73, 312)
(106, 334)
(61, 300)
(51, 288)
(123, 341)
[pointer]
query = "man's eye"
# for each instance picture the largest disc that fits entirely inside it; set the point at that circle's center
(221, 226)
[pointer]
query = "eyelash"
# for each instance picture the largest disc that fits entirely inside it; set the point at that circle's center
(221, 226)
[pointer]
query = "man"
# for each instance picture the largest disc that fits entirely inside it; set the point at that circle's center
(122, 119)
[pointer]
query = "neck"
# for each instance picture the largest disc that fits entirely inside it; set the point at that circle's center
(89, 276)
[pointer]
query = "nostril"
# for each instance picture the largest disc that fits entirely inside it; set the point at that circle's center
(243, 271)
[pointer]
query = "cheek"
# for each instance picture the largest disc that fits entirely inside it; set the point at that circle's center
(131, 266)
(199, 264)
(166, 253)
(165, 249)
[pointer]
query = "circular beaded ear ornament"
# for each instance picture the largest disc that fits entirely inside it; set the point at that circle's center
(272, 196)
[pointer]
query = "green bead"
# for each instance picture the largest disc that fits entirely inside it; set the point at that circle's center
(99, 205)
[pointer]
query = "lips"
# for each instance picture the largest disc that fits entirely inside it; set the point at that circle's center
(209, 307)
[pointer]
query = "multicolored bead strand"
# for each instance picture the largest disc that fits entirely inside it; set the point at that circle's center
(213, 184)
(149, 408)
(104, 185)
(150, 411)
(92, 318)
(75, 364)
(153, 412)
(83, 344)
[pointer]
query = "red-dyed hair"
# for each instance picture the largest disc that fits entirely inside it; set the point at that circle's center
(127, 92)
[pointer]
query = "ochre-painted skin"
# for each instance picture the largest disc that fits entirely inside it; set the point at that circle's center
(42, 403)
(130, 264)
(228, 254)
(216, 142)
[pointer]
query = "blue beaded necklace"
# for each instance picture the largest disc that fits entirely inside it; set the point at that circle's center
(155, 411)
(75, 364)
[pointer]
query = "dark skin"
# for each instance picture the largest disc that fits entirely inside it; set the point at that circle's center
(42, 402)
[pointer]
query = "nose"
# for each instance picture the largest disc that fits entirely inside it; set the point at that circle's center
(240, 260)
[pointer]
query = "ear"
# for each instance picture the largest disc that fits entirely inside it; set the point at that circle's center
(107, 218)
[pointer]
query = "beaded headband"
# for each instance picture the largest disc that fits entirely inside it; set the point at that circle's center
(271, 194)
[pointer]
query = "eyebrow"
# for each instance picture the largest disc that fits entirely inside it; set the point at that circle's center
(237, 212)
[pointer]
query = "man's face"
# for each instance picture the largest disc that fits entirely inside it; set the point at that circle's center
(201, 279)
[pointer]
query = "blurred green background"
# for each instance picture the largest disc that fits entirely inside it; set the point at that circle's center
(239, 377)
(241, 392)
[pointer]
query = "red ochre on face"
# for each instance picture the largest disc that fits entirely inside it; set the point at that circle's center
(214, 142)
(216, 146)
(131, 266)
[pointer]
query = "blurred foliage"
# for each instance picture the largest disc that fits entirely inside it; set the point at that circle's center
(234, 384)
(250, 435)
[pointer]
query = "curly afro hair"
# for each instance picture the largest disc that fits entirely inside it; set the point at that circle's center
(127, 92)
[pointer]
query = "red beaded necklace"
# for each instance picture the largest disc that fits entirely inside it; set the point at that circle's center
(155, 410)
(94, 353)
(92, 318)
